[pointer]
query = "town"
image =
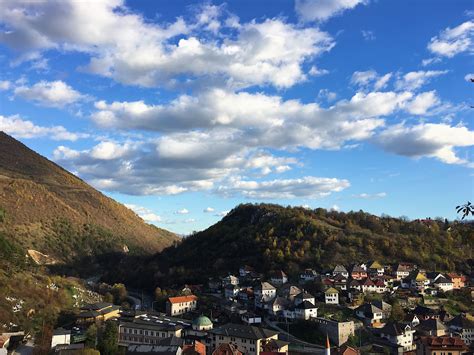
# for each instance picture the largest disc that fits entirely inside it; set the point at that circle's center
(367, 308)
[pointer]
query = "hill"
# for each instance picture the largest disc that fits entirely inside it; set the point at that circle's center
(45, 208)
(270, 237)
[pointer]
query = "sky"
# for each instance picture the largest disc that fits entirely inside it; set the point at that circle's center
(181, 110)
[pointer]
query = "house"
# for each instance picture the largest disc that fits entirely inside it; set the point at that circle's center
(331, 296)
(246, 294)
(462, 327)
(196, 348)
(338, 332)
(264, 291)
(424, 313)
(459, 281)
(278, 278)
(169, 346)
(398, 334)
(385, 307)
(347, 350)
(403, 270)
(149, 329)
(431, 327)
(289, 291)
(278, 305)
(245, 270)
(308, 275)
(340, 282)
(60, 336)
(447, 345)
(305, 310)
(370, 314)
(304, 296)
(376, 269)
(97, 312)
(230, 280)
(246, 338)
(416, 280)
(227, 349)
(444, 284)
(181, 305)
(412, 319)
(251, 318)
(340, 270)
(368, 285)
(358, 273)
(231, 291)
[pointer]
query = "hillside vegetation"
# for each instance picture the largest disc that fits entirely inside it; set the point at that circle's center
(46, 208)
(270, 237)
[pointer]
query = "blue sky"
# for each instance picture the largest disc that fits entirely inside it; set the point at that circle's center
(181, 110)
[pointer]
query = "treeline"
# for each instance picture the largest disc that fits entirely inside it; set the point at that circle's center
(270, 237)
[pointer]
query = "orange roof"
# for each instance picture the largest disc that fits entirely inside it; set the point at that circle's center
(182, 299)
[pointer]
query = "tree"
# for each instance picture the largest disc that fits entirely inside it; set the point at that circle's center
(108, 341)
(397, 314)
(91, 336)
(119, 292)
(466, 209)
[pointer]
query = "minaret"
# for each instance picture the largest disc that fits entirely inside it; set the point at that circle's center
(328, 346)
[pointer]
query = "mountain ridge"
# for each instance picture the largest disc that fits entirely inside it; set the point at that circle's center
(43, 201)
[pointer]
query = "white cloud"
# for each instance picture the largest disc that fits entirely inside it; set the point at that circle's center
(469, 77)
(416, 79)
(367, 78)
(20, 128)
(124, 46)
(321, 10)
(423, 102)
(222, 214)
(49, 93)
(435, 140)
(307, 187)
(335, 208)
(5, 85)
(315, 71)
(368, 35)
(208, 210)
(453, 41)
(182, 211)
(367, 196)
(146, 214)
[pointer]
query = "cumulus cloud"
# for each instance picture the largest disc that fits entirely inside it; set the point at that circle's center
(416, 79)
(257, 119)
(208, 210)
(435, 140)
(423, 102)
(182, 211)
(222, 214)
(452, 41)
(20, 128)
(370, 78)
(124, 46)
(327, 95)
(144, 213)
(321, 10)
(307, 187)
(49, 93)
(367, 196)
(469, 77)
(315, 71)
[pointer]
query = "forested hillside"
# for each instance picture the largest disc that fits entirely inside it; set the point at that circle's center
(271, 237)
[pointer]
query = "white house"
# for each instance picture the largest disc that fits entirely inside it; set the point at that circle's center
(231, 291)
(308, 275)
(370, 314)
(304, 296)
(230, 280)
(444, 284)
(331, 296)
(306, 310)
(399, 334)
(265, 291)
(278, 278)
(251, 318)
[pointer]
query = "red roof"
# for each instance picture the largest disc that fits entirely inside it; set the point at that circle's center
(443, 341)
(182, 299)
